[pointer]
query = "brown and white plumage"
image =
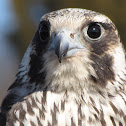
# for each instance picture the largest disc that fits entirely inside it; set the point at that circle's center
(73, 74)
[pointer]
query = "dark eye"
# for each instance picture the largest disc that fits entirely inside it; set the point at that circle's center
(44, 30)
(94, 31)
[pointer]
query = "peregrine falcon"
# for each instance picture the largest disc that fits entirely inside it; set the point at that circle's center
(72, 74)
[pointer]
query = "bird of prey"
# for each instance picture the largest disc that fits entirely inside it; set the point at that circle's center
(72, 74)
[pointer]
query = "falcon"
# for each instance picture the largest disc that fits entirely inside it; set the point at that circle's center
(72, 74)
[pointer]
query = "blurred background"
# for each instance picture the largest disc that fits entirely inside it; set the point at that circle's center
(19, 20)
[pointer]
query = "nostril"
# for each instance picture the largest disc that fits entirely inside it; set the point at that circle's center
(72, 35)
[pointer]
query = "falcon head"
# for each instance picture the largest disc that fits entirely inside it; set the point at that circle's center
(72, 49)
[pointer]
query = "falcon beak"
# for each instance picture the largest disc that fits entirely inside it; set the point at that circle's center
(61, 46)
(64, 45)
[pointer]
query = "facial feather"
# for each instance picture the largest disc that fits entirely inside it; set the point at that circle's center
(67, 73)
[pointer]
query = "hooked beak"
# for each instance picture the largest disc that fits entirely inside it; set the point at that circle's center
(64, 46)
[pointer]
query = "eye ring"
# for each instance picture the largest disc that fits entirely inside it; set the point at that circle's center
(44, 30)
(93, 31)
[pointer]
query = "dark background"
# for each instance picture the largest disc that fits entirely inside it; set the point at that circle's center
(19, 20)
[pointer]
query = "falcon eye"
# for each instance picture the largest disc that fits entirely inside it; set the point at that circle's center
(44, 30)
(94, 31)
